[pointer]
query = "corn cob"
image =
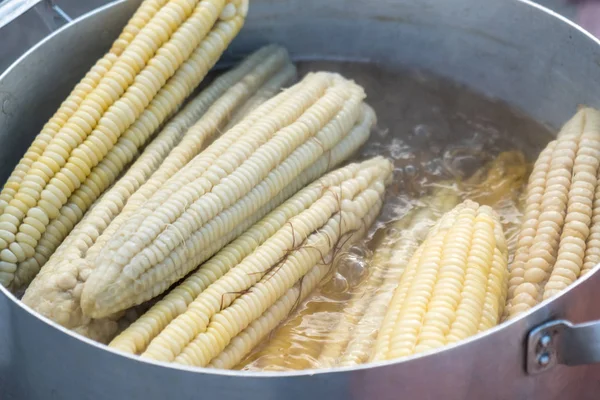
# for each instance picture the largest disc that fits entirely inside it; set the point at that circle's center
(297, 342)
(137, 337)
(56, 291)
(141, 17)
(274, 58)
(120, 98)
(351, 341)
(559, 235)
(453, 287)
(498, 181)
(265, 93)
(251, 287)
(236, 176)
(249, 338)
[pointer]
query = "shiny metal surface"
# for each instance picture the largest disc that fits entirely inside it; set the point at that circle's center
(13, 9)
(36, 19)
(511, 49)
(561, 342)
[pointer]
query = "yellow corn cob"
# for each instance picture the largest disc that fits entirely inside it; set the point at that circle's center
(246, 291)
(559, 235)
(55, 292)
(453, 287)
(107, 171)
(136, 338)
(141, 17)
(499, 180)
(236, 175)
(120, 98)
(351, 341)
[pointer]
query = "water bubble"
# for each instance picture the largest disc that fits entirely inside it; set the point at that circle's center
(353, 268)
(410, 171)
(421, 135)
(399, 150)
(393, 231)
(337, 284)
(359, 251)
(382, 132)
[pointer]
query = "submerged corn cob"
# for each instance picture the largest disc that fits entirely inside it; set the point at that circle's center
(297, 343)
(560, 234)
(259, 329)
(246, 291)
(56, 291)
(137, 337)
(499, 180)
(453, 287)
(141, 17)
(351, 341)
(133, 90)
(238, 174)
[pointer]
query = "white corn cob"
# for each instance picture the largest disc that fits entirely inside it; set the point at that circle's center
(271, 88)
(236, 175)
(260, 328)
(453, 287)
(297, 343)
(141, 17)
(559, 235)
(249, 338)
(136, 338)
(120, 98)
(56, 291)
(249, 289)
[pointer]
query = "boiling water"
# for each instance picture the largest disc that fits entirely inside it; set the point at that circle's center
(437, 134)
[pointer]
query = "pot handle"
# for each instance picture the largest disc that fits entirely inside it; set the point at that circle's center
(10, 10)
(561, 342)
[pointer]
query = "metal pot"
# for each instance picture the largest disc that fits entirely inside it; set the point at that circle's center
(513, 50)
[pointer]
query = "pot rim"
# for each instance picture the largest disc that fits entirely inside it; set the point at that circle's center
(307, 372)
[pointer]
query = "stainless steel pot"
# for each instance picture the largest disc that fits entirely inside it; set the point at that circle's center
(513, 50)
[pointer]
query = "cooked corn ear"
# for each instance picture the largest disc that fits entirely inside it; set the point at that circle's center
(352, 340)
(141, 17)
(249, 338)
(121, 97)
(56, 291)
(238, 174)
(246, 291)
(453, 287)
(124, 151)
(137, 337)
(499, 180)
(559, 235)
